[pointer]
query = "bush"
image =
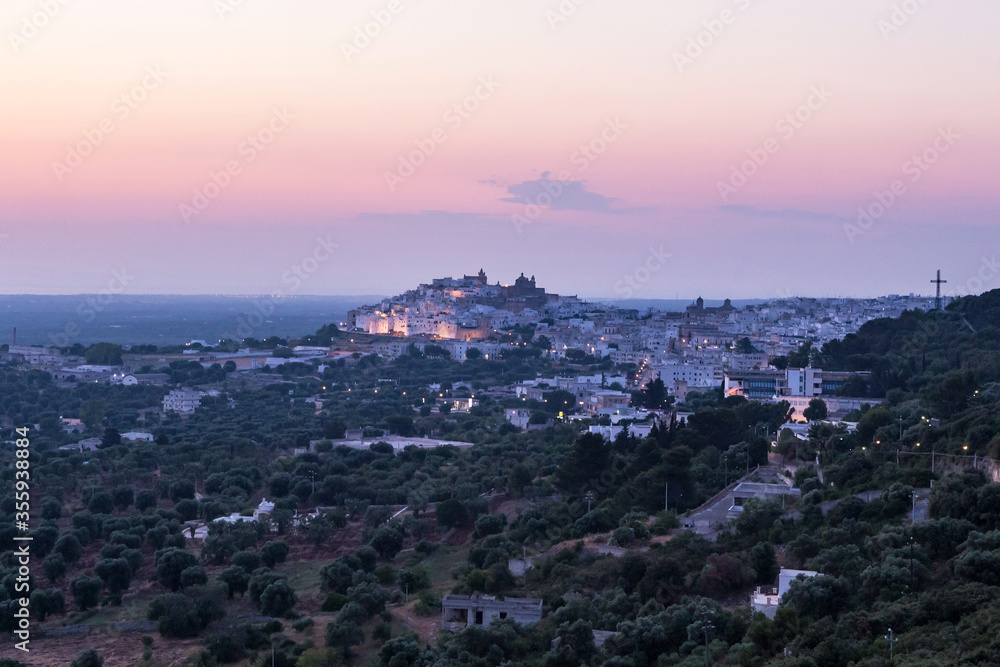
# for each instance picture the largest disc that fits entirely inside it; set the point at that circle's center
(248, 560)
(170, 567)
(277, 599)
(181, 617)
(87, 658)
(274, 553)
(86, 591)
(334, 602)
(303, 625)
(225, 648)
(490, 524)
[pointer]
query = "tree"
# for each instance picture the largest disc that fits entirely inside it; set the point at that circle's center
(473, 353)
(170, 567)
(54, 567)
(490, 524)
(104, 354)
(387, 541)
(187, 509)
(343, 636)
(92, 412)
(520, 477)
(277, 599)
(744, 346)
(370, 596)
(248, 560)
(818, 596)
(86, 591)
(273, 553)
(116, 574)
(575, 645)
(588, 459)
(69, 548)
(124, 496)
(145, 499)
(764, 562)
(802, 357)
(559, 401)
(46, 602)
(51, 509)
(655, 395)
(194, 576)
(854, 386)
(816, 411)
(181, 490)
(399, 424)
(450, 513)
(87, 658)
(280, 485)
(111, 437)
(236, 580)
(101, 503)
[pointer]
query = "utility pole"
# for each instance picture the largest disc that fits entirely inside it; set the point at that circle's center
(892, 640)
(900, 429)
(911, 565)
(589, 497)
(666, 496)
(705, 627)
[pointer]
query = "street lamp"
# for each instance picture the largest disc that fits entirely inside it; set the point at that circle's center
(892, 640)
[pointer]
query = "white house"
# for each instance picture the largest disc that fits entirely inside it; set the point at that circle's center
(518, 418)
(182, 401)
(766, 600)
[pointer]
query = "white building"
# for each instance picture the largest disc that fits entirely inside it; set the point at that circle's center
(766, 600)
(182, 401)
(518, 418)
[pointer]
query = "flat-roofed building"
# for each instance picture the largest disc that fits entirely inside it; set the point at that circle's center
(459, 611)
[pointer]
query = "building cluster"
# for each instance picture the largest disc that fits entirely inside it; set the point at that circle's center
(464, 309)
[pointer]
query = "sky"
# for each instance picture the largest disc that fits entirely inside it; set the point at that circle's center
(627, 149)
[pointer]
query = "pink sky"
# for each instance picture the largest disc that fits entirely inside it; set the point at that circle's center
(678, 122)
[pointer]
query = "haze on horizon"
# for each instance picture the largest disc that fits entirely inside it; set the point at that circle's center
(721, 149)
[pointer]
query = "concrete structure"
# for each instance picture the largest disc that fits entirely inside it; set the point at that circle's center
(398, 442)
(182, 401)
(137, 436)
(792, 382)
(766, 598)
(744, 491)
(88, 445)
(34, 355)
(459, 611)
(518, 418)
